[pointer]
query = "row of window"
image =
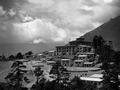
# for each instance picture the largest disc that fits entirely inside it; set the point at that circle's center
(88, 65)
(84, 49)
(72, 49)
(82, 58)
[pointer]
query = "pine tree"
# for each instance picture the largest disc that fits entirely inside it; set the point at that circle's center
(38, 72)
(110, 63)
(60, 72)
(16, 76)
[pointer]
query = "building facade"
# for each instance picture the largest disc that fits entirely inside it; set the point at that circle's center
(84, 49)
(66, 50)
(88, 64)
(66, 62)
(78, 63)
(78, 46)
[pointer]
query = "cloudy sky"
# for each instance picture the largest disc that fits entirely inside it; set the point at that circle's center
(35, 21)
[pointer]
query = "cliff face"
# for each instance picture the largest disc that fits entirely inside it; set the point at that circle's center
(109, 31)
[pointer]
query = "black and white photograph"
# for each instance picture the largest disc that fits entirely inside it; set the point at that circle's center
(59, 44)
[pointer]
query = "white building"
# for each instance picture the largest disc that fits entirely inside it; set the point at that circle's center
(88, 64)
(97, 81)
(91, 79)
(52, 53)
(95, 78)
(82, 71)
(50, 62)
(65, 50)
(90, 56)
(66, 62)
(83, 57)
(78, 63)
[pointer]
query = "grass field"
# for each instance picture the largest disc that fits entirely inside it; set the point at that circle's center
(5, 65)
(4, 70)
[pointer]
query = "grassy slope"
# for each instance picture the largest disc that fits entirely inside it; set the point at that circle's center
(4, 70)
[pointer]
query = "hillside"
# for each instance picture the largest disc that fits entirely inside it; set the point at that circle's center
(109, 31)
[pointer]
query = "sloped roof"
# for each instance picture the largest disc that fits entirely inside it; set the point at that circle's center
(97, 76)
(88, 62)
(78, 60)
(65, 59)
(82, 56)
(91, 79)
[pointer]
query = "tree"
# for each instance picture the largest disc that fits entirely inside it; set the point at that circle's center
(97, 43)
(110, 63)
(115, 71)
(40, 82)
(11, 57)
(90, 86)
(16, 76)
(30, 53)
(16, 64)
(50, 85)
(77, 84)
(2, 86)
(40, 85)
(60, 72)
(38, 72)
(19, 56)
(3, 58)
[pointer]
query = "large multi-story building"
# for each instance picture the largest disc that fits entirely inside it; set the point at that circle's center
(66, 50)
(74, 47)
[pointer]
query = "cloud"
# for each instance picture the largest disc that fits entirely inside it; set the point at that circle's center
(42, 3)
(6, 33)
(41, 29)
(9, 4)
(72, 13)
(12, 12)
(53, 20)
(108, 1)
(2, 12)
(79, 14)
(34, 31)
(103, 12)
(25, 18)
(36, 41)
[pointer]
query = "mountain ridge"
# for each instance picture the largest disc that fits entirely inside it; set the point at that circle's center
(109, 31)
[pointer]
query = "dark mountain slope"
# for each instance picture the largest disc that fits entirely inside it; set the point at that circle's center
(109, 31)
